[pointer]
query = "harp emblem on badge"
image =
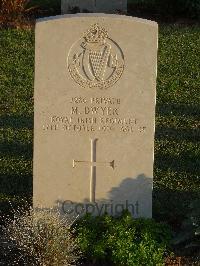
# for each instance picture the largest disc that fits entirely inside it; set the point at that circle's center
(95, 61)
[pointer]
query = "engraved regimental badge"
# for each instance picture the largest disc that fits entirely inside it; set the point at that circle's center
(95, 61)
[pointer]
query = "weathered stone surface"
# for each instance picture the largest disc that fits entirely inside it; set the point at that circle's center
(95, 79)
(98, 6)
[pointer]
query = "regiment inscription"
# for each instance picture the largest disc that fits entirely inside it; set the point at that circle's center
(94, 114)
(95, 61)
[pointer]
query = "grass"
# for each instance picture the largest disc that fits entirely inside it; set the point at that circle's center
(177, 120)
(16, 117)
(177, 149)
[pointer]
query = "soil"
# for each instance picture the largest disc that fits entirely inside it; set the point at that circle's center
(181, 261)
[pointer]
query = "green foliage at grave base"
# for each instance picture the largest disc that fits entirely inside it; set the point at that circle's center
(188, 240)
(123, 240)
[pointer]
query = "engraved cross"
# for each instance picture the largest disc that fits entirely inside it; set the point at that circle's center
(93, 164)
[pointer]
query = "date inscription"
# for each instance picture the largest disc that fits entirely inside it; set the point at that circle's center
(94, 114)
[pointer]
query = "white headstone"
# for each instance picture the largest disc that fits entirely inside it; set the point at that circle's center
(95, 80)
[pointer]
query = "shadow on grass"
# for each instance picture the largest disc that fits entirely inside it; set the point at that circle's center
(15, 184)
(176, 134)
(171, 205)
(178, 109)
(187, 162)
(16, 121)
(15, 193)
(15, 149)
